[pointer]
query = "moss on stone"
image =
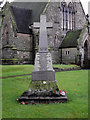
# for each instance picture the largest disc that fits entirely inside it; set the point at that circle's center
(36, 48)
(7, 46)
(13, 47)
(80, 37)
(13, 21)
(49, 48)
(3, 12)
(3, 15)
(46, 7)
(11, 59)
(43, 85)
(71, 39)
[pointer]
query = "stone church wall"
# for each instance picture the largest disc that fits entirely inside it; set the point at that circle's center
(80, 16)
(53, 15)
(55, 53)
(69, 56)
(19, 47)
(57, 34)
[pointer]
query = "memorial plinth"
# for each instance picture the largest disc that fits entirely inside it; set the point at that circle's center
(43, 87)
(43, 69)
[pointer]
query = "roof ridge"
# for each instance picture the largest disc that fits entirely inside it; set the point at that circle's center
(19, 7)
(12, 19)
(46, 7)
(78, 40)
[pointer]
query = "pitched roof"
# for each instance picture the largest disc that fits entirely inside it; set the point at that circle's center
(25, 13)
(71, 39)
(22, 18)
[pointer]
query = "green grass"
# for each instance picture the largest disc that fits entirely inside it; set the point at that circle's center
(75, 83)
(65, 66)
(12, 70)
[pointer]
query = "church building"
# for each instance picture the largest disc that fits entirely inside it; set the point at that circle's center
(68, 40)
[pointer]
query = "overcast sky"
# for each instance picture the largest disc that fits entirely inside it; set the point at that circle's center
(84, 3)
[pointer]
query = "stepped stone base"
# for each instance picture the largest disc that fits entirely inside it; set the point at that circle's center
(33, 98)
(42, 92)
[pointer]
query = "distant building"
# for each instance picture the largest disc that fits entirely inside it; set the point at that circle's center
(20, 40)
(68, 47)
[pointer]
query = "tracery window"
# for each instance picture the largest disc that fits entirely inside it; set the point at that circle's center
(64, 17)
(73, 20)
(63, 23)
(68, 17)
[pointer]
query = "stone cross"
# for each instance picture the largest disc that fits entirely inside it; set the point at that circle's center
(43, 25)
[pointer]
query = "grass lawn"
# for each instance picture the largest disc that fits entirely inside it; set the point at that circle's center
(11, 70)
(75, 83)
(65, 66)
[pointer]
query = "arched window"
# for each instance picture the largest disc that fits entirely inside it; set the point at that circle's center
(70, 18)
(64, 16)
(6, 34)
(73, 19)
(68, 25)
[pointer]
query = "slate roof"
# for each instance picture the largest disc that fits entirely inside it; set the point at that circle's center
(22, 18)
(70, 39)
(25, 13)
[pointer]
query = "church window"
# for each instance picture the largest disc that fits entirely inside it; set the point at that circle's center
(70, 19)
(64, 18)
(67, 52)
(73, 21)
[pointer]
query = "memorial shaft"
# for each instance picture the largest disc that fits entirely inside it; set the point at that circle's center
(43, 69)
(43, 25)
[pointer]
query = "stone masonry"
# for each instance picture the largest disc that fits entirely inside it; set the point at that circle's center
(21, 48)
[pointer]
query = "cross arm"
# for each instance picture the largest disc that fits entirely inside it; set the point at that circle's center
(36, 25)
(49, 25)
